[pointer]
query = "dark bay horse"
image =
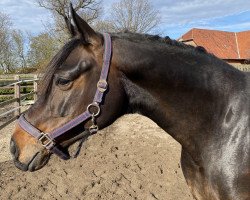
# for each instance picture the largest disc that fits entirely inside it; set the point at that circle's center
(200, 100)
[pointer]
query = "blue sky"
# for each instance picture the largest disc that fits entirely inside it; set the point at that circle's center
(177, 16)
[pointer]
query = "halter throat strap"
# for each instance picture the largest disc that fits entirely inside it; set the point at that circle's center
(48, 140)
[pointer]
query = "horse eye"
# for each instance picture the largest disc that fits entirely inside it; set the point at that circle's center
(62, 81)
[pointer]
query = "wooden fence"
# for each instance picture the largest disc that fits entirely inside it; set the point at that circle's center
(16, 111)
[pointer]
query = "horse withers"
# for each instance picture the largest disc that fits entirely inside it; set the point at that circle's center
(201, 101)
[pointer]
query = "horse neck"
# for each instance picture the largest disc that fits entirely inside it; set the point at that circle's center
(186, 97)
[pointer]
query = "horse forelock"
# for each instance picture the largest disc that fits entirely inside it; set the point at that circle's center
(54, 64)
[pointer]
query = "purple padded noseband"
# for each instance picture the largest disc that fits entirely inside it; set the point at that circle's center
(48, 140)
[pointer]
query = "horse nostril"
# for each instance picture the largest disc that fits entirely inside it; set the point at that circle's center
(13, 149)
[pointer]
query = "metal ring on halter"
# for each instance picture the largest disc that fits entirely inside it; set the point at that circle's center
(94, 105)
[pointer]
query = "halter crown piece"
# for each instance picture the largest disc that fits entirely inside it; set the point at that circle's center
(48, 140)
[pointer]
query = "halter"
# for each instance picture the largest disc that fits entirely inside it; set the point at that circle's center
(48, 140)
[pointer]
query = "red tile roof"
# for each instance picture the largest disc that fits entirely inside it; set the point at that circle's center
(225, 45)
(244, 44)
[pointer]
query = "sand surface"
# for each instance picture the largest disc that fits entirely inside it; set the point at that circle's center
(131, 159)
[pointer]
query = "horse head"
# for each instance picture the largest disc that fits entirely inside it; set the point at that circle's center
(69, 85)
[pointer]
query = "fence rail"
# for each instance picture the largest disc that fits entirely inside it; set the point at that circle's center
(17, 100)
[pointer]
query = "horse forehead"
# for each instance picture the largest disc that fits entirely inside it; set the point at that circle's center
(79, 53)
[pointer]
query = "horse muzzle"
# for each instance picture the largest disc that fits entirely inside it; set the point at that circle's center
(34, 160)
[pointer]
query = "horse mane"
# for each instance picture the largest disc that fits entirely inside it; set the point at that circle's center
(166, 42)
(138, 37)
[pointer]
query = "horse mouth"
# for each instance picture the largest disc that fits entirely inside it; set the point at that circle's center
(37, 162)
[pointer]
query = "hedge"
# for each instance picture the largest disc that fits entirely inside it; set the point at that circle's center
(6, 98)
(4, 91)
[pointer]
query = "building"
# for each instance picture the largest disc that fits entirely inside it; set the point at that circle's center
(232, 47)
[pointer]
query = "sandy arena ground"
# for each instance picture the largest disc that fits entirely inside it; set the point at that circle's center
(132, 159)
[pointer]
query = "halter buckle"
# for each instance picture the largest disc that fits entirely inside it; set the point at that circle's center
(102, 85)
(46, 140)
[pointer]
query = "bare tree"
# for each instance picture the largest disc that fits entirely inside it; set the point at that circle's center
(61, 7)
(5, 24)
(104, 26)
(88, 9)
(134, 15)
(19, 47)
(42, 48)
(7, 60)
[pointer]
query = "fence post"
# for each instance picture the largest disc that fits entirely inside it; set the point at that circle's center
(35, 87)
(17, 95)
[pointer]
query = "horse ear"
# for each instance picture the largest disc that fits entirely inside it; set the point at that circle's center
(70, 26)
(82, 27)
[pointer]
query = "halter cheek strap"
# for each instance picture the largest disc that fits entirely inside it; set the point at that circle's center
(48, 140)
